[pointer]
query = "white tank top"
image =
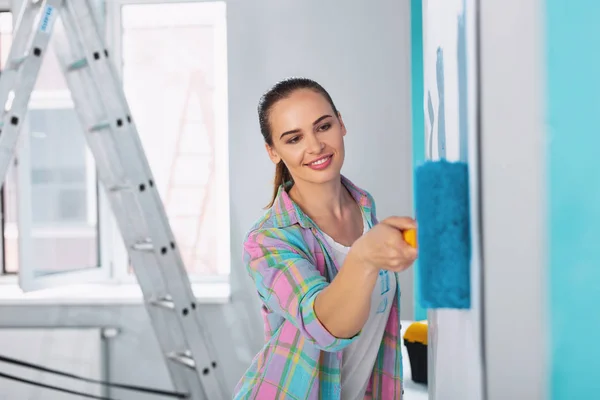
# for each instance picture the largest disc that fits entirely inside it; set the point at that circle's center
(359, 357)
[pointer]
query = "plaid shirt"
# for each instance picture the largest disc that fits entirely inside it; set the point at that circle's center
(290, 263)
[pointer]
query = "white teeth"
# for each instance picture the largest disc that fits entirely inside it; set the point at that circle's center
(319, 162)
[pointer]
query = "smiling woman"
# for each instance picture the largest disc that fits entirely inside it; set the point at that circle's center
(316, 135)
(324, 269)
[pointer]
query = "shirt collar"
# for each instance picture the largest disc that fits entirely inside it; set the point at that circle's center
(285, 212)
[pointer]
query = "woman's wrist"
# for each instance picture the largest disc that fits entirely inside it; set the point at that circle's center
(362, 268)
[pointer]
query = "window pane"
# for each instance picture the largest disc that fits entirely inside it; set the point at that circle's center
(169, 59)
(63, 192)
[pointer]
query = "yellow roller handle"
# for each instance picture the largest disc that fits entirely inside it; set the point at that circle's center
(410, 237)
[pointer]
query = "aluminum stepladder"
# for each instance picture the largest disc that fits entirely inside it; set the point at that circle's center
(122, 168)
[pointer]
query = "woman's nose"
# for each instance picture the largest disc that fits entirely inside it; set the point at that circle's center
(315, 146)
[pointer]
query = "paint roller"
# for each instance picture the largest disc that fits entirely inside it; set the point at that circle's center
(443, 237)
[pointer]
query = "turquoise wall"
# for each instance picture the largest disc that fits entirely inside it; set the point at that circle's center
(573, 106)
(418, 122)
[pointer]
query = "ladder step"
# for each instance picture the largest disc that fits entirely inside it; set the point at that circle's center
(99, 126)
(9, 101)
(75, 65)
(118, 188)
(17, 62)
(184, 358)
(143, 245)
(164, 302)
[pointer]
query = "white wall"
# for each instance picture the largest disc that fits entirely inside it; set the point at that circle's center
(360, 52)
(514, 149)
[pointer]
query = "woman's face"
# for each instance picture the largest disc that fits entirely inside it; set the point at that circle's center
(307, 136)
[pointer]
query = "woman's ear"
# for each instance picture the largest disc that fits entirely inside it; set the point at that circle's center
(342, 125)
(273, 155)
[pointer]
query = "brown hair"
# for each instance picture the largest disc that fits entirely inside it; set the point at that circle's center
(280, 91)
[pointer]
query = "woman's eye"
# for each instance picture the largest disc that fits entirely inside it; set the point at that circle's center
(325, 127)
(294, 140)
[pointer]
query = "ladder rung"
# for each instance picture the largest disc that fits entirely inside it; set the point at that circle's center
(164, 302)
(9, 101)
(75, 65)
(144, 245)
(183, 358)
(99, 126)
(118, 188)
(17, 62)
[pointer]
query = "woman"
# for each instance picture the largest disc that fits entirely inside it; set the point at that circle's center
(324, 269)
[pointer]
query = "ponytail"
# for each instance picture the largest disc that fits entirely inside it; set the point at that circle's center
(282, 177)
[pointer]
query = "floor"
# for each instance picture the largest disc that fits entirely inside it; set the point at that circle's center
(412, 390)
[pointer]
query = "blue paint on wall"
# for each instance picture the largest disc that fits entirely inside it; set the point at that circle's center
(573, 96)
(418, 117)
(440, 138)
(431, 115)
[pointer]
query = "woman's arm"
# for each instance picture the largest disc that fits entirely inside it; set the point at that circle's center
(343, 306)
(327, 314)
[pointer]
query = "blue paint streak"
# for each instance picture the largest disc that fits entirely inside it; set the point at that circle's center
(573, 96)
(431, 114)
(418, 116)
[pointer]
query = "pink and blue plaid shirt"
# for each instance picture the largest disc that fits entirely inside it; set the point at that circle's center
(290, 263)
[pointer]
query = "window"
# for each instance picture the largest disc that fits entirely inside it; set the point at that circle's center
(62, 196)
(50, 198)
(174, 72)
(58, 227)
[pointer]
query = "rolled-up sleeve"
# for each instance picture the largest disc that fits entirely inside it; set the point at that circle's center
(288, 284)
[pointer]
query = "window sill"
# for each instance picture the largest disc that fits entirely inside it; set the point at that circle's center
(102, 294)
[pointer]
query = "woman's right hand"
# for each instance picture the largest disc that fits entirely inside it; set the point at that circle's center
(384, 247)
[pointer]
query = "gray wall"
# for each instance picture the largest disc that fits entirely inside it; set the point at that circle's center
(78, 351)
(360, 52)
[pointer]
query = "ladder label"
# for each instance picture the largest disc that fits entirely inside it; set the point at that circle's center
(47, 19)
